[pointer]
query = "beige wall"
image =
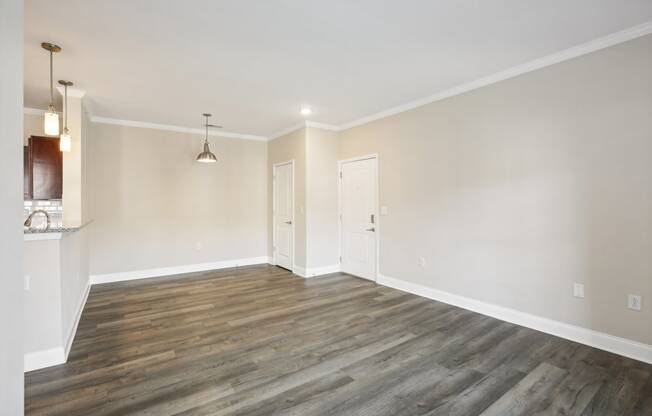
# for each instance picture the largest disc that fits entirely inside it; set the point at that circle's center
(73, 175)
(283, 149)
(314, 152)
(153, 206)
(322, 232)
(11, 207)
(514, 191)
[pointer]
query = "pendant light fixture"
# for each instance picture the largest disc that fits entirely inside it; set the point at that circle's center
(207, 156)
(51, 121)
(65, 141)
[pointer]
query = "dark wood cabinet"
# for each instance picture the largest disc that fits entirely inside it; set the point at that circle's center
(27, 179)
(43, 166)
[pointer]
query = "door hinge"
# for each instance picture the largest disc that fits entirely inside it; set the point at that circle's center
(340, 174)
(340, 259)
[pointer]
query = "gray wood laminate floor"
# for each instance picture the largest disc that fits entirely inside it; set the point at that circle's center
(261, 341)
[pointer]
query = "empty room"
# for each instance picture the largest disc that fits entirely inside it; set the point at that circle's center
(324, 208)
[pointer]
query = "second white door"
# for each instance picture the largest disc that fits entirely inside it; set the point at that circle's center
(283, 215)
(358, 200)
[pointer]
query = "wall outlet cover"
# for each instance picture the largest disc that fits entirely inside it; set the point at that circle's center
(578, 290)
(634, 302)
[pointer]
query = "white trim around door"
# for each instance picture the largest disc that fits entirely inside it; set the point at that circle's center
(376, 225)
(275, 261)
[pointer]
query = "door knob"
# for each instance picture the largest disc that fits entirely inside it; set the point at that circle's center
(288, 222)
(372, 229)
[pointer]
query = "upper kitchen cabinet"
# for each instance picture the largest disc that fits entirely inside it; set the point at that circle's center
(43, 169)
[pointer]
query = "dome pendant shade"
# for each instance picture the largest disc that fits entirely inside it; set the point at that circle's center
(206, 156)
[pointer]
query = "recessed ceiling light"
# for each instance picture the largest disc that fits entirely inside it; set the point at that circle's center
(306, 111)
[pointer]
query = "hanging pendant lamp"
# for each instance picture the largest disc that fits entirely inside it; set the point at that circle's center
(51, 121)
(65, 141)
(207, 156)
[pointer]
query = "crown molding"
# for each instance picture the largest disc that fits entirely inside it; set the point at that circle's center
(322, 126)
(288, 130)
(304, 124)
(564, 55)
(555, 58)
(168, 127)
(72, 92)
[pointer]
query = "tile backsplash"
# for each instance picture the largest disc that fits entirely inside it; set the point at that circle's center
(52, 207)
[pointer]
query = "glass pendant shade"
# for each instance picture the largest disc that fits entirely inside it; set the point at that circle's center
(206, 156)
(65, 141)
(51, 122)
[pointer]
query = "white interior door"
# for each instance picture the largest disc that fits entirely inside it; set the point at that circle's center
(358, 200)
(283, 215)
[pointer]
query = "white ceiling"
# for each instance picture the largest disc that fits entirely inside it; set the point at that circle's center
(254, 63)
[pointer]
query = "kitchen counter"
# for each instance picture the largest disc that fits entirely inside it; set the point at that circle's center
(54, 233)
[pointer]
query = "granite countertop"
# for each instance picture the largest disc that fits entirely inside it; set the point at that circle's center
(54, 232)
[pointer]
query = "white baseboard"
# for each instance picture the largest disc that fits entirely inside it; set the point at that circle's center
(315, 271)
(600, 340)
(169, 271)
(45, 358)
(298, 270)
(73, 329)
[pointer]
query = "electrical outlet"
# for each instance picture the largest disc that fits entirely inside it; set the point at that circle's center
(198, 245)
(578, 290)
(27, 282)
(422, 261)
(634, 302)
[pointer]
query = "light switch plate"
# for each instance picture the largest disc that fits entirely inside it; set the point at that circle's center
(634, 302)
(578, 290)
(384, 210)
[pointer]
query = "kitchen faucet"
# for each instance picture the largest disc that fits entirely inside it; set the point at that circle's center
(28, 221)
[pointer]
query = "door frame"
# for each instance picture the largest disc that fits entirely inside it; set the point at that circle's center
(340, 163)
(294, 234)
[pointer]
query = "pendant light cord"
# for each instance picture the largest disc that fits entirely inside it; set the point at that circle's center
(65, 107)
(206, 138)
